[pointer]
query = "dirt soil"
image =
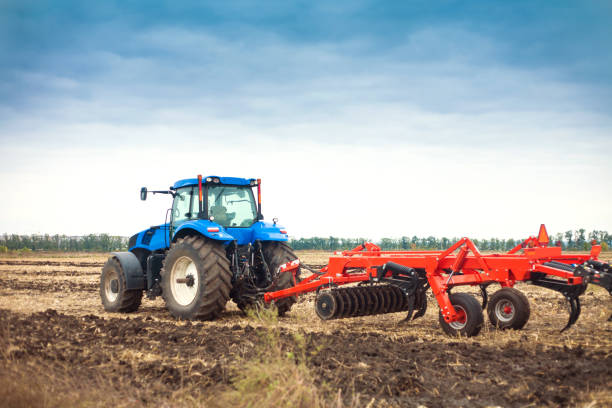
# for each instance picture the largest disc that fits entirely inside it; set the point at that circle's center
(50, 314)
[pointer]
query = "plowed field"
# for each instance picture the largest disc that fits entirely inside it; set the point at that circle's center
(60, 348)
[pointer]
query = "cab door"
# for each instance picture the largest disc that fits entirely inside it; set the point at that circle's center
(184, 207)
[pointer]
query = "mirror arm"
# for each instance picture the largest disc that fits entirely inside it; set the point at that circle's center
(164, 192)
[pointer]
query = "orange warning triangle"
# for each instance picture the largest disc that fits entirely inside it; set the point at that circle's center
(543, 235)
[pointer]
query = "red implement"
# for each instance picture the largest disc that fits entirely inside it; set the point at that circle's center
(390, 281)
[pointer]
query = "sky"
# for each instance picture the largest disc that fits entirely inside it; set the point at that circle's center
(363, 118)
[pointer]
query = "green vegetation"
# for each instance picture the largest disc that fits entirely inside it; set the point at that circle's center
(91, 242)
(577, 240)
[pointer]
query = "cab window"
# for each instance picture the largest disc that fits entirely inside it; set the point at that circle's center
(232, 206)
(185, 205)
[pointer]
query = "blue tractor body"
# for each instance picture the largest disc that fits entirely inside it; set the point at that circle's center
(213, 246)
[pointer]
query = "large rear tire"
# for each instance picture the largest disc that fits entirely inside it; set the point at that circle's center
(196, 279)
(276, 254)
(508, 309)
(115, 297)
(472, 320)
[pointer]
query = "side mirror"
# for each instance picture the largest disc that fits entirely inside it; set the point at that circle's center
(143, 193)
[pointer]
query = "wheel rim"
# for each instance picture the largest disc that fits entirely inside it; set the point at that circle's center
(504, 311)
(462, 321)
(185, 290)
(109, 286)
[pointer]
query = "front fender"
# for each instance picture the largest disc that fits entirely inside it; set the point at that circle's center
(202, 227)
(265, 231)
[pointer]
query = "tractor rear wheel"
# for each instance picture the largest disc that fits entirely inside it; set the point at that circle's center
(196, 279)
(508, 309)
(471, 321)
(115, 298)
(276, 254)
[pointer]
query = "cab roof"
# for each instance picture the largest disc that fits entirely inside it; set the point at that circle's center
(236, 181)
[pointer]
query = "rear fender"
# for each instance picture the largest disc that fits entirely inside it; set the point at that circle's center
(134, 276)
(205, 228)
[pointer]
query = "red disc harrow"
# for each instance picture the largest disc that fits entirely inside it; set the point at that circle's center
(365, 281)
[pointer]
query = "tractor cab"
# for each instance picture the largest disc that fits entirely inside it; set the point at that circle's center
(229, 205)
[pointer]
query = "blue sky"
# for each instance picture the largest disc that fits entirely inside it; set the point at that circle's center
(363, 118)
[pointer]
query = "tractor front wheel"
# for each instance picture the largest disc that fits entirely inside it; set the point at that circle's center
(508, 309)
(471, 319)
(115, 297)
(196, 279)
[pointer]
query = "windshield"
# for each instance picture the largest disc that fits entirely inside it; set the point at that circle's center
(231, 206)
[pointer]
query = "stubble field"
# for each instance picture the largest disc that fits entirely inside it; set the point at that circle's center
(60, 348)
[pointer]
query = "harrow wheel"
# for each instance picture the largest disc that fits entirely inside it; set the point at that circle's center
(508, 309)
(347, 303)
(354, 303)
(361, 301)
(370, 301)
(471, 322)
(326, 305)
(380, 300)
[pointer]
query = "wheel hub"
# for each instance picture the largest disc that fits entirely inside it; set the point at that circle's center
(189, 280)
(504, 311)
(184, 281)
(461, 321)
(111, 286)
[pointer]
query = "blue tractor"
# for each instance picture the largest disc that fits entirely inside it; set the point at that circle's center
(214, 246)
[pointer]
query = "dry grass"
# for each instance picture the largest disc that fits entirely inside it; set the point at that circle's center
(275, 377)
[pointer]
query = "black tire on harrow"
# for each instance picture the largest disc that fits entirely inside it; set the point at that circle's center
(276, 254)
(213, 278)
(508, 308)
(473, 316)
(115, 298)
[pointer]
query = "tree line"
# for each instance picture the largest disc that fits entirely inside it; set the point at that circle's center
(577, 240)
(570, 240)
(46, 242)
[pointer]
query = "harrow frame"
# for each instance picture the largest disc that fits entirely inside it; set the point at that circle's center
(459, 265)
